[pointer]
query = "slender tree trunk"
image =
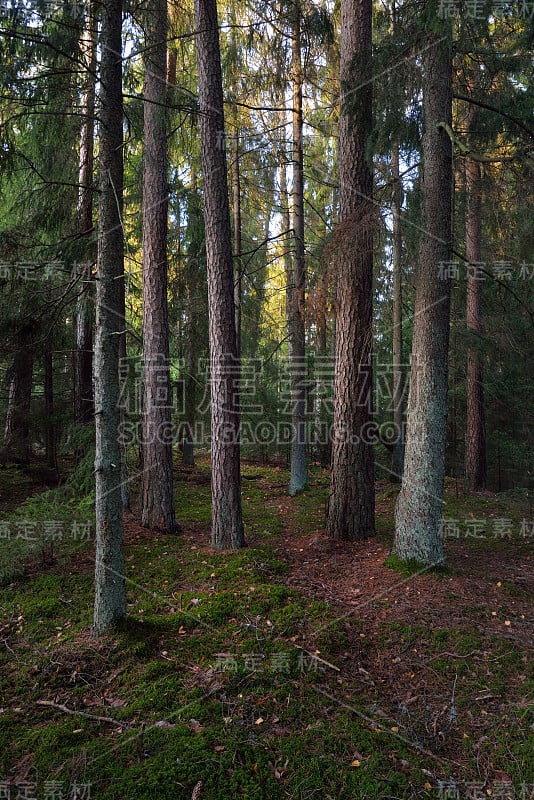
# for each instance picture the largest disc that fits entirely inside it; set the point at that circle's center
(51, 442)
(325, 351)
(172, 63)
(287, 260)
(296, 329)
(351, 502)
(188, 446)
(227, 522)
(110, 596)
(286, 229)
(194, 280)
(419, 505)
(84, 400)
(124, 369)
(475, 436)
(17, 427)
(398, 374)
(157, 479)
(238, 277)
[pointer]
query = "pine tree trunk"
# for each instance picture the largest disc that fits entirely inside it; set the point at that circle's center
(227, 523)
(17, 427)
(475, 435)
(398, 374)
(194, 287)
(296, 330)
(157, 479)
(286, 230)
(83, 393)
(419, 505)
(350, 512)
(110, 596)
(84, 400)
(51, 439)
(324, 351)
(238, 277)
(124, 368)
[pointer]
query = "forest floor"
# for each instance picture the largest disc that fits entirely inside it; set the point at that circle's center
(295, 668)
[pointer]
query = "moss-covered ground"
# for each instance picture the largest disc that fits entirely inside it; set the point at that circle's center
(289, 669)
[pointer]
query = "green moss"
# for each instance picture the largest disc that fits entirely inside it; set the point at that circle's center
(246, 733)
(411, 566)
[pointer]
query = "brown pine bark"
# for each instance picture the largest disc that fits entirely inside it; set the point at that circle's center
(17, 426)
(227, 522)
(475, 434)
(51, 437)
(157, 506)
(398, 373)
(419, 505)
(84, 400)
(238, 277)
(194, 288)
(350, 513)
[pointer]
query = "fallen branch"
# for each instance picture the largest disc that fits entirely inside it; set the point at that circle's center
(71, 711)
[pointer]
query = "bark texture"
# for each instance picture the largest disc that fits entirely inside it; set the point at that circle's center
(475, 434)
(295, 323)
(17, 427)
(227, 522)
(110, 596)
(84, 400)
(419, 505)
(51, 435)
(238, 276)
(157, 478)
(350, 513)
(398, 373)
(195, 287)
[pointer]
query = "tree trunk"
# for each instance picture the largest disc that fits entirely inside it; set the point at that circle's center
(227, 523)
(51, 442)
(419, 505)
(296, 329)
(287, 260)
(238, 277)
(124, 368)
(351, 502)
(110, 596)
(398, 374)
(194, 287)
(172, 63)
(324, 351)
(17, 427)
(286, 231)
(475, 435)
(84, 400)
(157, 480)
